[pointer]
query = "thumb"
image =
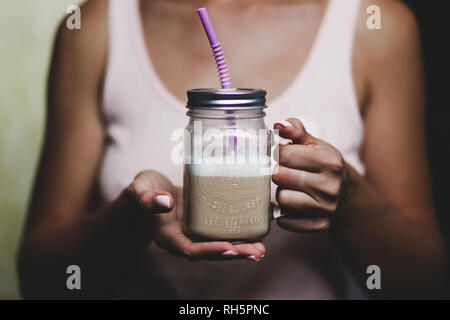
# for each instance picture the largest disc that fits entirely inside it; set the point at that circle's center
(148, 193)
(149, 200)
(294, 130)
(156, 201)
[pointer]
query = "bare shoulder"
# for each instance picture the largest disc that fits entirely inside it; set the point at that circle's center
(86, 47)
(399, 30)
(93, 21)
(390, 54)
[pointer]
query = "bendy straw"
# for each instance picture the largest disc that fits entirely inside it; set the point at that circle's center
(225, 79)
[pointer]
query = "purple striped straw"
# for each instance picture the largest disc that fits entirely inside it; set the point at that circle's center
(224, 75)
(225, 79)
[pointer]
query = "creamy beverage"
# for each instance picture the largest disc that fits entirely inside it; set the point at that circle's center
(227, 202)
(227, 157)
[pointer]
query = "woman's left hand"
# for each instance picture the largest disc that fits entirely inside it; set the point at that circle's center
(311, 178)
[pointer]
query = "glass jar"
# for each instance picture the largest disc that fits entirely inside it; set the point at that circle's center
(227, 173)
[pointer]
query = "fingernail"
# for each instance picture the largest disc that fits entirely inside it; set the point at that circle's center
(163, 201)
(252, 258)
(263, 256)
(283, 123)
(230, 253)
(260, 246)
(277, 212)
(276, 169)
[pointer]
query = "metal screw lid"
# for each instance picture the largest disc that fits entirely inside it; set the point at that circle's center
(226, 99)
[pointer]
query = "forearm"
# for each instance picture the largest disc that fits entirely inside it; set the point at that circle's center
(369, 230)
(99, 243)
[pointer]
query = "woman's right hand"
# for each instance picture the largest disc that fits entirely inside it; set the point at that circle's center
(153, 208)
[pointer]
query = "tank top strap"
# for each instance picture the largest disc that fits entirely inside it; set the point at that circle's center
(330, 69)
(121, 24)
(335, 41)
(123, 67)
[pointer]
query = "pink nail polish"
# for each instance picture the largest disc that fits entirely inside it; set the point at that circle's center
(276, 213)
(230, 253)
(252, 258)
(163, 201)
(283, 123)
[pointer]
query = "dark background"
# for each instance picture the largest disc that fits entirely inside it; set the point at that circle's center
(433, 18)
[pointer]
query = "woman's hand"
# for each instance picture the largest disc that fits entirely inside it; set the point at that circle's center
(311, 177)
(160, 207)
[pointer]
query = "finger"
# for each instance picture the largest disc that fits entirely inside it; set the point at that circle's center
(210, 250)
(296, 201)
(195, 251)
(291, 178)
(223, 250)
(157, 201)
(320, 186)
(312, 158)
(198, 250)
(146, 191)
(147, 199)
(253, 251)
(308, 225)
(217, 250)
(154, 180)
(294, 130)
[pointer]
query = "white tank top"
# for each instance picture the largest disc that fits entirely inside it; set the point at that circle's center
(141, 115)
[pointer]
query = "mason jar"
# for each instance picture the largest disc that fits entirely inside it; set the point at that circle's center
(227, 174)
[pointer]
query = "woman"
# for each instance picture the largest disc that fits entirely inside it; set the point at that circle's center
(355, 174)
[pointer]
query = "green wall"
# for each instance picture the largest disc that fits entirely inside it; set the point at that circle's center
(26, 35)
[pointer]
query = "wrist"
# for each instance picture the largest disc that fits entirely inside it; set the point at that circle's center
(346, 210)
(122, 224)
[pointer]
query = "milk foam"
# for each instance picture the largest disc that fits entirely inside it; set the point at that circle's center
(228, 170)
